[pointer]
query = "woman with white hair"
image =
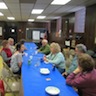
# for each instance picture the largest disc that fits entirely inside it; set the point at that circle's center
(56, 57)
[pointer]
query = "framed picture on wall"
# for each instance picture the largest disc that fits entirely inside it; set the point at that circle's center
(36, 35)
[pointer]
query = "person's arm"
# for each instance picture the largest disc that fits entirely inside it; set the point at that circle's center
(19, 60)
(46, 50)
(4, 55)
(40, 49)
(47, 57)
(56, 60)
(73, 66)
(76, 81)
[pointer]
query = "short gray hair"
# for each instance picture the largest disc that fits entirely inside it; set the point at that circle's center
(82, 48)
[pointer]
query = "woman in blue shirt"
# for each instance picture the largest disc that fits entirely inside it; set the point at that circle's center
(56, 57)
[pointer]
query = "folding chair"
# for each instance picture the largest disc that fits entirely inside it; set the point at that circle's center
(8, 77)
(9, 72)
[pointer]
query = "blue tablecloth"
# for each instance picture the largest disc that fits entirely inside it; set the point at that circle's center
(34, 83)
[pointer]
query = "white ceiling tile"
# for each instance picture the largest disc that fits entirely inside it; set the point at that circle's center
(1, 0)
(51, 9)
(64, 9)
(40, 6)
(43, 1)
(13, 6)
(11, 1)
(16, 14)
(25, 15)
(16, 11)
(27, 6)
(5, 12)
(33, 16)
(26, 10)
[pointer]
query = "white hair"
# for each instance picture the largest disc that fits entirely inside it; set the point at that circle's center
(45, 41)
(56, 47)
(10, 39)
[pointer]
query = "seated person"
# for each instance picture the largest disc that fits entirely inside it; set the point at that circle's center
(22, 41)
(11, 45)
(84, 77)
(45, 47)
(56, 57)
(40, 43)
(68, 57)
(6, 52)
(16, 61)
(79, 50)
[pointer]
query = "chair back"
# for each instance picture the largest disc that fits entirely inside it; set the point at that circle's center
(2, 90)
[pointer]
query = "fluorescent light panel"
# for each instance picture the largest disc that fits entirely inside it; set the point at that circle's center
(41, 17)
(3, 5)
(60, 2)
(10, 18)
(37, 11)
(1, 14)
(30, 20)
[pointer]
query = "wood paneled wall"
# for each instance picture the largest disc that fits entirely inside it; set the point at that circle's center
(67, 29)
(20, 28)
(52, 35)
(90, 29)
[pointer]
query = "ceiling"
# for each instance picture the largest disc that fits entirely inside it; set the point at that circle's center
(21, 9)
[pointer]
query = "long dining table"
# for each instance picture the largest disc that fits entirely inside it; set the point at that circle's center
(34, 83)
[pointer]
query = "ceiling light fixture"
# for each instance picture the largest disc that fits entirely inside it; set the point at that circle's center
(41, 17)
(30, 20)
(60, 2)
(3, 5)
(1, 14)
(37, 11)
(10, 18)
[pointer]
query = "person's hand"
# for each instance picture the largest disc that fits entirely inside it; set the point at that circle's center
(45, 59)
(77, 70)
(64, 74)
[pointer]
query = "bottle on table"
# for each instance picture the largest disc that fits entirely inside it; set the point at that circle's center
(29, 61)
(53, 68)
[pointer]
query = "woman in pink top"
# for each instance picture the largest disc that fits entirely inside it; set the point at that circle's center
(84, 77)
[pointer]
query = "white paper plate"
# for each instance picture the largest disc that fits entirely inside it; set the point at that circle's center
(52, 90)
(46, 62)
(44, 71)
